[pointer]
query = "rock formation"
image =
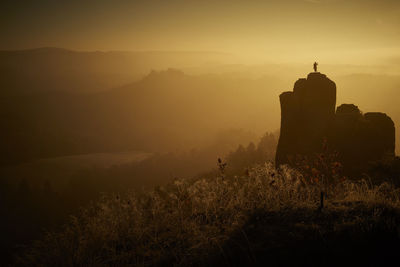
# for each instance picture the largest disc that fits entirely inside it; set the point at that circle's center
(308, 118)
(362, 139)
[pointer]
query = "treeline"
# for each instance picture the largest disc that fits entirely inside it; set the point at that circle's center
(245, 157)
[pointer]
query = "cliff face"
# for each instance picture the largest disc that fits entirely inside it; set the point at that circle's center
(308, 117)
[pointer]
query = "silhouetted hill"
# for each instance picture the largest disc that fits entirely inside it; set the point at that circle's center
(57, 69)
(164, 111)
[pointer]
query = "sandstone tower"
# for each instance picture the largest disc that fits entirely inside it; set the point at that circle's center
(306, 116)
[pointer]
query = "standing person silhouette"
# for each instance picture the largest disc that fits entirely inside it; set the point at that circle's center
(315, 66)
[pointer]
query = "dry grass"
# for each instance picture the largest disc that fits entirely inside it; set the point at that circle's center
(186, 221)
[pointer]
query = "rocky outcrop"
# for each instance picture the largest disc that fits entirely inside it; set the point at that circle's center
(308, 117)
(361, 139)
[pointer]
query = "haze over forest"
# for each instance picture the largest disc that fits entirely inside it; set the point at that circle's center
(86, 102)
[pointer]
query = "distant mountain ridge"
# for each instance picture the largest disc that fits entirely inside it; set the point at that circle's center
(61, 49)
(38, 70)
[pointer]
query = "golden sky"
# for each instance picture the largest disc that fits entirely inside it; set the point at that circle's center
(335, 31)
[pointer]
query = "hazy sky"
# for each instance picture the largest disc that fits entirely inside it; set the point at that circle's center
(278, 30)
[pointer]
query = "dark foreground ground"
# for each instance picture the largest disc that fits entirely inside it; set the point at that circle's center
(349, 234)
(345, 234)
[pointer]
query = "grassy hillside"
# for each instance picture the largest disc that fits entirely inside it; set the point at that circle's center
(264, 217)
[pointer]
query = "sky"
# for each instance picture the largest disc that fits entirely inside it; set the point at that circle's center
(337, 31)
